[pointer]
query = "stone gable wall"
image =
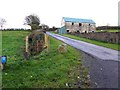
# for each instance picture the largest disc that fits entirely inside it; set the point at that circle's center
(84, 27)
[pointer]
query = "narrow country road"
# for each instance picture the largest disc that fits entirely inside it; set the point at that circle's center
(102, 63)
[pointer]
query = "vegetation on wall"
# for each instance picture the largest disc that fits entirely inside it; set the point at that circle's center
(33, 21)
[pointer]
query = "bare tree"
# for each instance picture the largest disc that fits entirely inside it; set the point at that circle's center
(2, 22)
(33, 21)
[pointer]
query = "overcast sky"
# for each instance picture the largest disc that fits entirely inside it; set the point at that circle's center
(50, 12)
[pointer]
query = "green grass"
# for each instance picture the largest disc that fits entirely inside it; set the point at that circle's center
(114, 30)
(51, 69)
(100, 43)
(0, 43)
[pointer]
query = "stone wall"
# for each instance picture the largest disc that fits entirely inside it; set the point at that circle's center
(75, 27)
(112, 37)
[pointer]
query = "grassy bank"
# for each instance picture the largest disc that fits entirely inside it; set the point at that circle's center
(100, 43)
(51, 69)
(114, 30)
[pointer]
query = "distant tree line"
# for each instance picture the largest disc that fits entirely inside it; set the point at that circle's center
(107, 27)
(46, 28)
(14, 29)
(53, 28)
(33, 21)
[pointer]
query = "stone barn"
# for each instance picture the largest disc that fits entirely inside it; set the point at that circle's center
(77, 25)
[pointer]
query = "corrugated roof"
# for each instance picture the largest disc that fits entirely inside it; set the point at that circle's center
(67, 19)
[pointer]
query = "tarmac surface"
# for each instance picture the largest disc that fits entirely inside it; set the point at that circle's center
(103, 63)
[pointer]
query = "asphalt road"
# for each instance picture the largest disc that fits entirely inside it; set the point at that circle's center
(102, 63)
(97, 51)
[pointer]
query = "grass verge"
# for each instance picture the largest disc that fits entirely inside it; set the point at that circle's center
(99, 43)
(114, 30)
(45, 70)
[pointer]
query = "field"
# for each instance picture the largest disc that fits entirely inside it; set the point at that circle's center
(47, 69)
(0, 43)
(0, 54)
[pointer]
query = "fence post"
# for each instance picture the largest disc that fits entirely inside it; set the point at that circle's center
(26, 43)
(47, 42)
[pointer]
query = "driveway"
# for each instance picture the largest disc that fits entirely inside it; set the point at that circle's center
(101, 62)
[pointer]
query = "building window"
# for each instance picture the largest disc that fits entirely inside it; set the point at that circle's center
(85, 31)
(78, 31)
(67, 31)
(80, 24)
(72, 23)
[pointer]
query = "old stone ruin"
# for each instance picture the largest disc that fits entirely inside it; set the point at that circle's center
(35, 43)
